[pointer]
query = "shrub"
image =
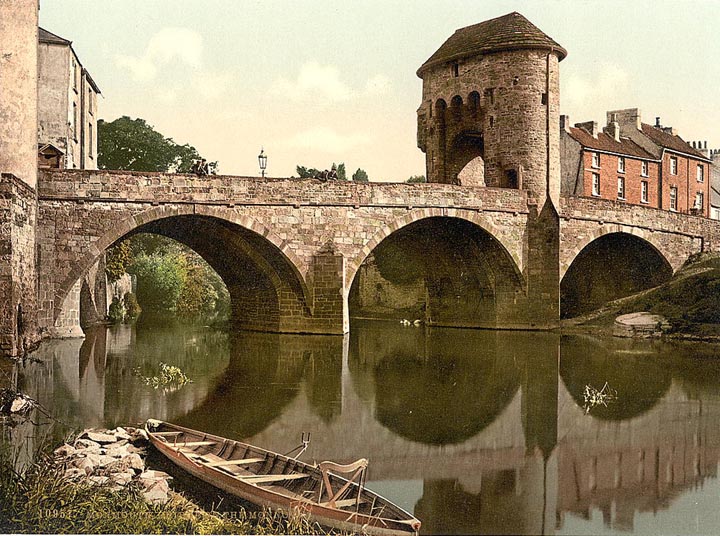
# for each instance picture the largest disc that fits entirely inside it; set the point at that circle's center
(132, 307)
(116, 311)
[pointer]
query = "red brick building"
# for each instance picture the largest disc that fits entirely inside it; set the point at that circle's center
(633, 162)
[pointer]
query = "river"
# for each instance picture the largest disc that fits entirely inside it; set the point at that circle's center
(475, 432)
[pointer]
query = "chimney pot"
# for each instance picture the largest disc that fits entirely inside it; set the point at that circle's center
(657, 122)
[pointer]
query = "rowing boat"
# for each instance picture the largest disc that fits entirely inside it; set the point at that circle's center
(279, 482)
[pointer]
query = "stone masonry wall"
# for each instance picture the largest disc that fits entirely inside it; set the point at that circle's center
(511, 114)
(676, 236)
(82, 213)
(18, 281)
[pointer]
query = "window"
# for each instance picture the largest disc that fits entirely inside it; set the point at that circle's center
(90, 101)
(699, 201)
(596, 160)
(644, 168)
(644, 191)
(74, 75)
(621, 187)
(90, 140)
(673, 165)
(673, 198)
(455, 70)
(621, 164)
(700, 173)
(596, 184)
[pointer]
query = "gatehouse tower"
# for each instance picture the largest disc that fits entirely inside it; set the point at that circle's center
(491, 106)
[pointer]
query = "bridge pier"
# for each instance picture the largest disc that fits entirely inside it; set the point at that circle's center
(330, 297)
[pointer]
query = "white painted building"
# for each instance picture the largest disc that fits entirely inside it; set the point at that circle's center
(67, 106)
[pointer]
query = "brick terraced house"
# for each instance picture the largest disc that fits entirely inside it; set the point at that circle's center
(632, 162)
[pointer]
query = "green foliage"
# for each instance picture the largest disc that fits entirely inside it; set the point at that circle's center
(417, 179)
(201, 292)
(360, 176)
(116, 311)
(132, 307)
(198, 295)
(151, 244)
(117, 260)
(40, 500)
(309, 173)
(133, 145)
(306, 173)
(160, 279)
(341, 173)
(167, 376)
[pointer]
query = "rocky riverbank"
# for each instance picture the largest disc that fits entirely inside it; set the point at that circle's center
(99, 483)
(113, 458)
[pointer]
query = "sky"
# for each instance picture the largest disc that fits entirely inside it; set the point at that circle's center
(315, 82)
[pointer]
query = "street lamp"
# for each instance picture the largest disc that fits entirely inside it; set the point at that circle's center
(262, 160)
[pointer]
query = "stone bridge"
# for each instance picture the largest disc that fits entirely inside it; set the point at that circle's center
(289, 250)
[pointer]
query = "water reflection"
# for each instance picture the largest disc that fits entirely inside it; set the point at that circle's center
(476, 432)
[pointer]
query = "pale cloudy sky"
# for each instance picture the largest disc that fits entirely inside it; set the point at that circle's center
(317, 81)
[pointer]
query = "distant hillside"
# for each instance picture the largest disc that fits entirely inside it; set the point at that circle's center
(690, 300)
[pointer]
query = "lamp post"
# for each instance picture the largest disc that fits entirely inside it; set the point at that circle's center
(262, 160)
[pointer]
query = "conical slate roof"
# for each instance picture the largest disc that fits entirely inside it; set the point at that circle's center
(509, 32)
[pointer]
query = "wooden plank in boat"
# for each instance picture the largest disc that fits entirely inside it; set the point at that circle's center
(343, 503)
(259, 479)
(246, 461)
(167, 433)
(194, 444)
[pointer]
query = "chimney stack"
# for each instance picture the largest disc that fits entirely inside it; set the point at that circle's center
(591, 127)
(613, 128)
(565, 123)
(628, 119)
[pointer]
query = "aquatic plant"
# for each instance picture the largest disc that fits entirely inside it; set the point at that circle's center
(594, 397)
(169, 377)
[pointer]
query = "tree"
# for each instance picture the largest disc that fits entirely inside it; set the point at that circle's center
(160, 281)
(117, 260)
(133, 145)
(342, 175)
(310, 173)
(417, 178)
(360, 176)
(306, 173)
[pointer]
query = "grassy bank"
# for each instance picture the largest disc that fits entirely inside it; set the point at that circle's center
(40, 500)
(690, 301)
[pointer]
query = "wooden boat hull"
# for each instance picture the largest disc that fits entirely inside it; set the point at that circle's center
(272, 496)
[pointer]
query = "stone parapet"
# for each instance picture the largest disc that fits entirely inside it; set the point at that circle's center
(127, 186)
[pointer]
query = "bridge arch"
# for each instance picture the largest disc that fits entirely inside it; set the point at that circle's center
(650, 237)
(612, 262)
(477, 218)
(443, 267)
(265, 256)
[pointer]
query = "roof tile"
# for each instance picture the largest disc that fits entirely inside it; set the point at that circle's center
(509, 32)
(670, 141)
(605, 142)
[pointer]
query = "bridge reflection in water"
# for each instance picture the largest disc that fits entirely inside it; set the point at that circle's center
(474, 431)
